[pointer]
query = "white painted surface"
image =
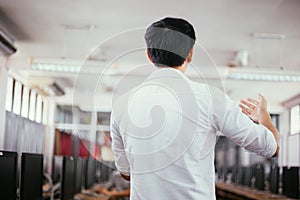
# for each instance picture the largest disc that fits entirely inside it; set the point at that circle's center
(293, 150)
(3, 88)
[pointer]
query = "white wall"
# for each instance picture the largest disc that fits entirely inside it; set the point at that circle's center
(3, 88)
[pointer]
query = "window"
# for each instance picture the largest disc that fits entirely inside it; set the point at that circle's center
(38, 113)
(9, 96)
(32, 105)
(45, 111)
(17, 98)
(25, 102)
(295, 120)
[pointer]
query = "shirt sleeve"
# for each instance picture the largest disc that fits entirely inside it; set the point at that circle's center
(240, 129)
(121, 160)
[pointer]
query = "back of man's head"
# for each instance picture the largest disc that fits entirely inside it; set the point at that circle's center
(169, 41)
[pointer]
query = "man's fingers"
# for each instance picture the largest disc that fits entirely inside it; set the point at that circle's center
(255, 102)
(262, 99)
(245, 109)
(248, 104)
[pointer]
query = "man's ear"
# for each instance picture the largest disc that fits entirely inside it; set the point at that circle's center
(148, 55)
(190, 55)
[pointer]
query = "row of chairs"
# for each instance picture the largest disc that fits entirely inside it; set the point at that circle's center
(284, 180)
(70, 176)
(24, 178)
(28, 180)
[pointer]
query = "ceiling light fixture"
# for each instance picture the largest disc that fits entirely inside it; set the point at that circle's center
(65, 68)
(269, 36)
(264, 77)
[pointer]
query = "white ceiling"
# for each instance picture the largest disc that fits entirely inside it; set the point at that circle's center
(48, 31)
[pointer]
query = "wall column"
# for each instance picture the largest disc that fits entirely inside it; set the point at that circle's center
(3, 88)
(50, 133)
(93, 132)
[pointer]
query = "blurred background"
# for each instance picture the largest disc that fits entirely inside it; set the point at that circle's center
(61, 62)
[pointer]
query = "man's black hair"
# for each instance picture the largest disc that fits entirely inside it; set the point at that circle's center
(169, 41)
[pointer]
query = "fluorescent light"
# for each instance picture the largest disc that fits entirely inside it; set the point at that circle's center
(264, 77)
(55, 68)
(234, 75)
(266, 36)
(64, 68)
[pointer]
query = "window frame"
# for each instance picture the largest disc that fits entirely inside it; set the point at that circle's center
(290, 120)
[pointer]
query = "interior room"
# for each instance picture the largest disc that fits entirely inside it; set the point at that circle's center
(64, 66)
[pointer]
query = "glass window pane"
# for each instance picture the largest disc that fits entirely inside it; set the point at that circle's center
(295, 120)
(9, 94)
(32, 105)
(25, 102)
(38, 117)
(45, 111)
(17, 98)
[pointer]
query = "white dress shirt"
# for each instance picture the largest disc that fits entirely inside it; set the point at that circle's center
(164, 132)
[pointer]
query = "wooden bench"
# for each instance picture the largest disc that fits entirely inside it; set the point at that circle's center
(231, 191)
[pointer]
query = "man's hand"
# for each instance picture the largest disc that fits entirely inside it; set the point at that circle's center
(258, 112)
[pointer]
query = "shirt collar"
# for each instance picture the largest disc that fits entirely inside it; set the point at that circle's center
(167, 72)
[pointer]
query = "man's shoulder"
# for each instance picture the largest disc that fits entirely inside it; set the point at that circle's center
(201, 87)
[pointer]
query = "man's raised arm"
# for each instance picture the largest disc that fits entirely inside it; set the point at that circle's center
(257, 111)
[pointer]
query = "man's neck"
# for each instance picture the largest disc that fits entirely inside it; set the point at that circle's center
(180, 68)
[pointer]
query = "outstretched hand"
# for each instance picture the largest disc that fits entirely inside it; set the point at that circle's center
(255, 109)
